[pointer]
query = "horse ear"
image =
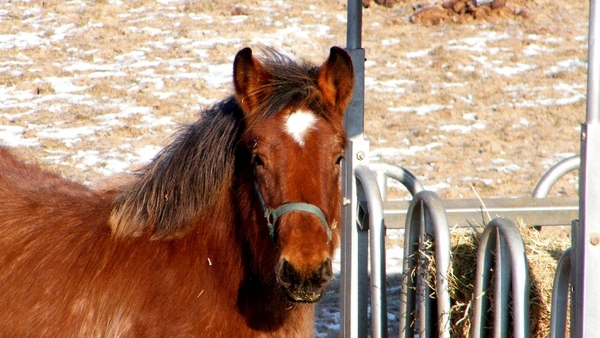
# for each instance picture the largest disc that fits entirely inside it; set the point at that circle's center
(336, 78)
(248, 78)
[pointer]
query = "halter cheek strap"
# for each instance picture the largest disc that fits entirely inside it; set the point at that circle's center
(273, 214)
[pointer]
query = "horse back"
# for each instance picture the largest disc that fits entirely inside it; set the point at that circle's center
(64, 274)
(47, 225)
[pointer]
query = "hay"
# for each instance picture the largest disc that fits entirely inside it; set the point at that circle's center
(543, 250)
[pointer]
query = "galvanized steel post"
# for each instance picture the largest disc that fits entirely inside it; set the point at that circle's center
(585, 321)
(354, 281)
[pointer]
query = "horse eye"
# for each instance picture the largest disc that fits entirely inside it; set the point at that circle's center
(257, 161)
(339, 160)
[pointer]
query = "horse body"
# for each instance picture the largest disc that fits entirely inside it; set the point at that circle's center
(61, 270)
(183, 248)
(64, 274)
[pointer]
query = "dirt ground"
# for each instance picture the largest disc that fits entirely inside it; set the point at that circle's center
(487, 102)
(466, 99)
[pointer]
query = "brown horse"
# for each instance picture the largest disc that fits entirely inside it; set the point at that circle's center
(228, 232)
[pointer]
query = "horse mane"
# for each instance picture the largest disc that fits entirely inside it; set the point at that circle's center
(187, 178)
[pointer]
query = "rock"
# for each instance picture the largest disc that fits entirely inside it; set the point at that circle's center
(239, 10)
(459, 7)
(498, 4)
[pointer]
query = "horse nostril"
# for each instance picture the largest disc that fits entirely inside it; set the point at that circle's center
(288, 275)
(304, 286)
(324, 273)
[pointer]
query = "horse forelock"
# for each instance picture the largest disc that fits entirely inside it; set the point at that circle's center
(291, 83)
(184, 180)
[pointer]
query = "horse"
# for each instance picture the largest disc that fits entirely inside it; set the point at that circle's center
(228, 232)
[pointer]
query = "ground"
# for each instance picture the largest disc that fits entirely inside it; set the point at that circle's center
(491, 103)
(466, 102)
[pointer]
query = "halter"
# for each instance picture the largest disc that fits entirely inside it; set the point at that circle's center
(273, 214)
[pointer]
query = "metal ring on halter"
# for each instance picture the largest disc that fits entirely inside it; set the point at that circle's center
(273, 214)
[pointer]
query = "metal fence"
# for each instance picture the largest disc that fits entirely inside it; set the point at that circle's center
(424, 309)
(426, 235)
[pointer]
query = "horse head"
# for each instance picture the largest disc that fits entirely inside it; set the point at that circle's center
(295, 140)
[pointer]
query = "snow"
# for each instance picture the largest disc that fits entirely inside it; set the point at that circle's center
(67, 91)
(420, 110)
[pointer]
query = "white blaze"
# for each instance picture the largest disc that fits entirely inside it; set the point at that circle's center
(298, 124)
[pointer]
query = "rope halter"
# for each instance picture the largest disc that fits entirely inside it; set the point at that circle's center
(273, 214)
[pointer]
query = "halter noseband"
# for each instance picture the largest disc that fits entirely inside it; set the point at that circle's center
(273, 214)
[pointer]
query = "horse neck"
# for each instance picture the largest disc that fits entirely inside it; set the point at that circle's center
(261, 300)
(233, 232)
(253, 233)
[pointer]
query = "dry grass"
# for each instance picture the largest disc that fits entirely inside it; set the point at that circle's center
(543, 250)
(140, 49)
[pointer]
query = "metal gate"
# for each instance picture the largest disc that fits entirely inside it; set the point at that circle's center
(426, 218)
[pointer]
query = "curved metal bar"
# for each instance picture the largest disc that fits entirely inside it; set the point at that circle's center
(503, 277)
(555, 173)
(512, 242)
(369, 185)
(400, 174)
(426, 219)
(560, 296)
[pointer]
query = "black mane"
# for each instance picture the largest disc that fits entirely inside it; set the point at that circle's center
(187, 177)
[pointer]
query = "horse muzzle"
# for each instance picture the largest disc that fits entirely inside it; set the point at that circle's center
(304, 286)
